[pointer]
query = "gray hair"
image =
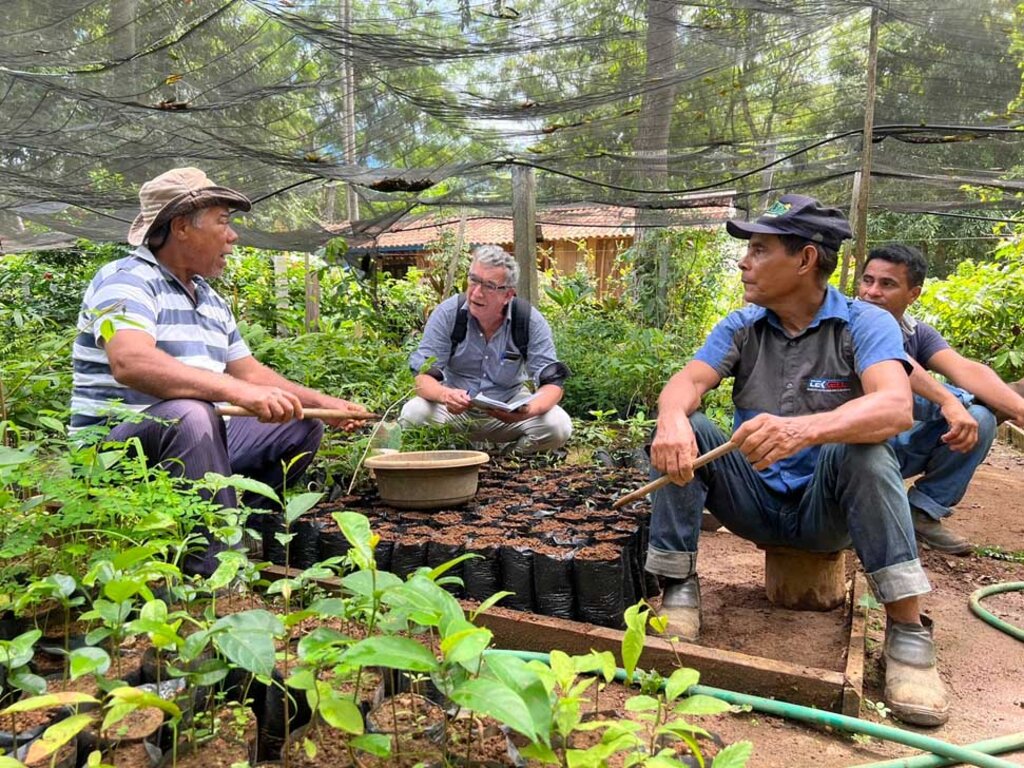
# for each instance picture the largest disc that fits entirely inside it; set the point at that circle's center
(496, 256)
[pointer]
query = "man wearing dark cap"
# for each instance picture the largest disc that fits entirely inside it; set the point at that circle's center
(154, 338)
(820, 384)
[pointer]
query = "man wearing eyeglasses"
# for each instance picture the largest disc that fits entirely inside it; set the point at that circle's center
(451, 373)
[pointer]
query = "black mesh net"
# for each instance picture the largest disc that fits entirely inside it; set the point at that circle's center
(428, 103)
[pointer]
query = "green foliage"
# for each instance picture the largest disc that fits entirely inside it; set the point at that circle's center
(979, 307)
(623, 348)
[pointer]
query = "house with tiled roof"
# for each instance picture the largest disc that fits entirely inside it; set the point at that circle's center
(566, 236)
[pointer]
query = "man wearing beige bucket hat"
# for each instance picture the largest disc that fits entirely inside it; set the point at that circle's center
(168, 348)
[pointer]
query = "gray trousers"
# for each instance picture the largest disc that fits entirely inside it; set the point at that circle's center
(189, 439)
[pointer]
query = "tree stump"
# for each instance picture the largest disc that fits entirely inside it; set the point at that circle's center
(804, 581)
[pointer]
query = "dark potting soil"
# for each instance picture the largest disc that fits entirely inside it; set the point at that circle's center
(232, 742)
(522, 516)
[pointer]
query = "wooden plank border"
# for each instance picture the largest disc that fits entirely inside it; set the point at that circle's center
(799, 684)
(853, 684)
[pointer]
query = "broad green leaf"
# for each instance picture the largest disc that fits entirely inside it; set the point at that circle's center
(89, 661)
(699, 704)
(489, 603)
(56, 736)
(28, 682)
(10, 762)
(363, 583)
(48, 701)
(466, 646)
(138, 698)
(356, 529)
(376, 744)
(641, 703)
(247, 639)
(120, 590)
(208, 672)
(302, 680)
(230, 564)
(18, 652)
(540, 752)
(9, 457)
(154, 610)
(243, 483)
(734, 756)
(339, 712)
(633, 638)
(489, 697)
(65, 584)
(392, 652)
(299, 505)
(563, 667)
(680, 681)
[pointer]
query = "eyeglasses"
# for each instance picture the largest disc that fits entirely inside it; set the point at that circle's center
(486, 285)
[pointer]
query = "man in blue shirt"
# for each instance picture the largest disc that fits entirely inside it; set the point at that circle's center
(488, 361)
(820, 385)
(952, 432)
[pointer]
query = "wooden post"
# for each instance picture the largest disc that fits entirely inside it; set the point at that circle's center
(348, 121)
(860, 226)
(524, 231)
(312, 319)
(849, 248)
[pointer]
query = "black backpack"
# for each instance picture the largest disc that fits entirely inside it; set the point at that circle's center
(520, 324)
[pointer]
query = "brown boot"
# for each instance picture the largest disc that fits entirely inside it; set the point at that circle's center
(680, 603)
(913, 689)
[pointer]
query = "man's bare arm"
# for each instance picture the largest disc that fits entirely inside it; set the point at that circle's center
(963, 428)
(980, 380)
(675, 447)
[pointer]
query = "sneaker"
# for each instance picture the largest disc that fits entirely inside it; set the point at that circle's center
(914, 692)
(932, 534)
(680, 604)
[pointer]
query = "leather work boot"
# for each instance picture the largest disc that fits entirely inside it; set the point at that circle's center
(933, 535)
(913, 689)
(680, 603)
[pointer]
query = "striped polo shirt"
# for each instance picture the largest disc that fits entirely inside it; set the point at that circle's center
(815, 371)
(139, 293)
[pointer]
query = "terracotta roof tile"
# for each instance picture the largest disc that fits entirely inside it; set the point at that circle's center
(555, 224)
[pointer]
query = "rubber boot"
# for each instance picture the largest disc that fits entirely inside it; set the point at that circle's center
(914, 692)
(680, 603)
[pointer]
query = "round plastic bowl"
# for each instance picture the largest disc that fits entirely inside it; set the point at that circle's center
(427, 479)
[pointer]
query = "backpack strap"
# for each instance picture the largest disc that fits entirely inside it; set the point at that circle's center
(520, 324)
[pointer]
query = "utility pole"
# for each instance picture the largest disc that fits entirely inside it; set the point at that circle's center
(524, 231)
(860, 225)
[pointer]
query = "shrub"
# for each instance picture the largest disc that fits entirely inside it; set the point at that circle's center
(979, 308)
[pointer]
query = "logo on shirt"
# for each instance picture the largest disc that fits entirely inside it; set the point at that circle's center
(828, 385)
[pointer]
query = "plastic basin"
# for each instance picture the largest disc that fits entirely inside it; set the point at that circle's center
(427, 479)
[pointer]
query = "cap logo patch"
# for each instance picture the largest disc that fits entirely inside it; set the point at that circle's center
(777, 209)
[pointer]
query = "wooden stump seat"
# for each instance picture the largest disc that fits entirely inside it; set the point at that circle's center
(804, 581)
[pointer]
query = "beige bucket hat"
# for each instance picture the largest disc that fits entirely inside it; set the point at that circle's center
(175, 193)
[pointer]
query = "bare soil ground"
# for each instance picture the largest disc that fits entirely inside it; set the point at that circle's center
(983, 667)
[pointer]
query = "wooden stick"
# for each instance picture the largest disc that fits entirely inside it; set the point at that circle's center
(307, 413)
(654, 485)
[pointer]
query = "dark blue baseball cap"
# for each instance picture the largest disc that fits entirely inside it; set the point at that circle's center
(796, 215)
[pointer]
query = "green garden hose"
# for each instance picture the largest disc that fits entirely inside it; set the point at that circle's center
(957, 753)
(996, 746)
(987, 617)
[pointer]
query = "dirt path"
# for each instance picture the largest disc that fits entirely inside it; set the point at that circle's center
(983, 667)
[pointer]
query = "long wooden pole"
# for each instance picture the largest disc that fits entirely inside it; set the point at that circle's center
(861, 224)
(524, 230)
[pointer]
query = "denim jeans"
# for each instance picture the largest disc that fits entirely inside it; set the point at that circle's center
(855, 497)
(946, 473)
